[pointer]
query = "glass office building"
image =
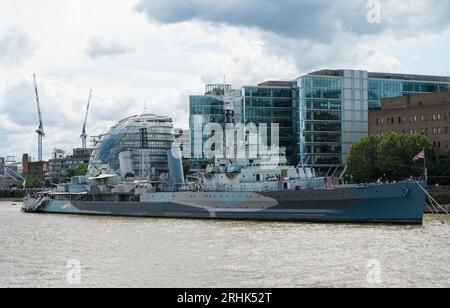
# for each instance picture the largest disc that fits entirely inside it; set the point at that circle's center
(147, 138)
(395, 85)
(320, 118)
(334, 106)
(274, 102)
(207, 109)
(321, 115)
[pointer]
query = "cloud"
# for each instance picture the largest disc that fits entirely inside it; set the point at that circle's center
(178, 46)
(315, 20)
(15, 46)
(63, 109)
(98, 48)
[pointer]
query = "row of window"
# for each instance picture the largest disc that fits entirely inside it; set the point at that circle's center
(403, 86)
(413, 119)
(423, 131)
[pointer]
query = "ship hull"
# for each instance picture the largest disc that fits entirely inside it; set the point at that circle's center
(390, 203)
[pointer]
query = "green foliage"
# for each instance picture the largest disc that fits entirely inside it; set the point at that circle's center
(48, 183)
(389, 156)
(82, 170)
(363, 160)
(33, 182)
(66, 177)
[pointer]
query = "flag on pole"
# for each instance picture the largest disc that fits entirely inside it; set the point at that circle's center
(421, 155)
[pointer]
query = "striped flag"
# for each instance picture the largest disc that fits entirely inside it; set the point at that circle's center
(421, 155)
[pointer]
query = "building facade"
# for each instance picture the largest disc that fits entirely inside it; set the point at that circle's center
(25, 165)
(428, 115)
(183, 141)
(334, 106)
(39, 169)
(2, 166)
(321, 114)
(62, 165)
(145, 139)
(210, 108)
(274, 102)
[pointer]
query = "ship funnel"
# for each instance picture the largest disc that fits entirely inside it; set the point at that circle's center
(126, 163)
(176, 172)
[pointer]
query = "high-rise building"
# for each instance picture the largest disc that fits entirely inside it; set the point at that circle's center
(210, 108)
(321, 114)
(274, 102)
(334, 107)
(143, 141)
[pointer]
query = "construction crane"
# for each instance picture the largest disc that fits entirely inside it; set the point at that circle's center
(83, 132)
(40, 130)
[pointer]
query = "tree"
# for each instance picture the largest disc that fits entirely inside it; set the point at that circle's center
(33, 182)
(48, 183)
(82, 170)
(67, 176)
(389, 156)
(363, 159)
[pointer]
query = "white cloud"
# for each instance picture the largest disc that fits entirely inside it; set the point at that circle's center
(14, 46)
(98, 48)
(164, 60)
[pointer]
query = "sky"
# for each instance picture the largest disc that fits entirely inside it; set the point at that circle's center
(150, 55)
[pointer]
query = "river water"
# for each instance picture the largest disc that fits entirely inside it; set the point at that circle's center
(39, 250)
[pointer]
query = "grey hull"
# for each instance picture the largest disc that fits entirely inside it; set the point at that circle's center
(393, 203)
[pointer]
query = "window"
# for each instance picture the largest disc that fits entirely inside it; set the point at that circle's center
(422, 118)
(434, 117)
(439, 116)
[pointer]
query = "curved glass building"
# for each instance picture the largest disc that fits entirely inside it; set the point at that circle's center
(146, 138)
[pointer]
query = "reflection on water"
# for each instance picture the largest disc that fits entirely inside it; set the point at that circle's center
(35, 251)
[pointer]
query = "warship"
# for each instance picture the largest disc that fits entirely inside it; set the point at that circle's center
(241, 190)
(261, 188)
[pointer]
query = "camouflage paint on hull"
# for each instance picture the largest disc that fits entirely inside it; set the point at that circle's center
(390, 203)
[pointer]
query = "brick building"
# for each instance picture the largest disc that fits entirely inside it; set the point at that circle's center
(39, 169)
(427, 114)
